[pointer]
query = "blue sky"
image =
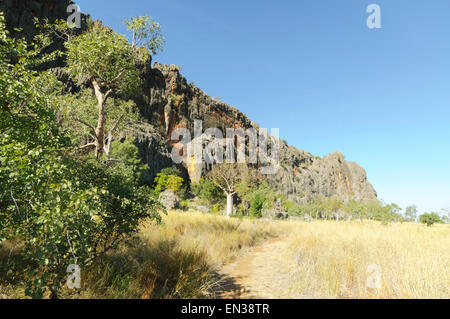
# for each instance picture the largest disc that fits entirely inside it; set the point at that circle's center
(313, 69)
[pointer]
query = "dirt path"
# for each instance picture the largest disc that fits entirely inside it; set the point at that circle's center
(262, 273)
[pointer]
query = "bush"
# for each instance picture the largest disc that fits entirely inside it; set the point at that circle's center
(430, 219)
(126, 157)
(164, 182)
(257, 204)
(208, 192)
(171, 171)
(216, 209)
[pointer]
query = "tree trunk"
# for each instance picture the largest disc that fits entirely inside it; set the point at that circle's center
(108, 143)
(100, 129)
(229, 204)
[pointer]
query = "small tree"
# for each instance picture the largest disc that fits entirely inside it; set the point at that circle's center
(146, 33)
(411, 213)
(227, 177)
(430, 219)
(208, 192)
(78, 106)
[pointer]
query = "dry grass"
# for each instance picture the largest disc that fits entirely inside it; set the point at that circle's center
(322, 259)
(333, 259)
(177, 259)
(222, 239)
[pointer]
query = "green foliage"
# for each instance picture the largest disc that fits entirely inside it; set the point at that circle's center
(62, 207)
(105, 56)
(125, 156)
(430, 219)
(175, 100)
(146, 33)
(257, 204)
(411, 213)
(184, 204)
(255, 198)
(163, 182)
(208, 192)
(171, 171)
(216, 209)
(332, 208)
(82, 106)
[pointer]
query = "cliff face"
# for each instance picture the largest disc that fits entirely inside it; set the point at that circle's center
(169, 102)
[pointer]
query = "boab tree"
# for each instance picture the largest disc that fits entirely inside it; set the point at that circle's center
(227, 177)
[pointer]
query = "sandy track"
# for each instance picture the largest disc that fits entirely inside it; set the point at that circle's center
(262, 273)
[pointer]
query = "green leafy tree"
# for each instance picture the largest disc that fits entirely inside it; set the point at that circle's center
(63, 208)
(430, 219)
(79, 107)
(146, 33)
(257, 204)
(163, 182)
(411, 213)
(108, 61)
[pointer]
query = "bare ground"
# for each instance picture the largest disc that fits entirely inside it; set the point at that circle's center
(262, 273)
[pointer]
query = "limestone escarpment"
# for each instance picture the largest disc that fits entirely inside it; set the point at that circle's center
(168, 101)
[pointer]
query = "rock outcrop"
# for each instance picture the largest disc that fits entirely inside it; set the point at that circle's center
(169, 199)
(168, 102)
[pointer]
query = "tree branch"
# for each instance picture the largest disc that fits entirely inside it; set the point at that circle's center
(111, 131)
(107, 94)
(86, 146)
(85, 123)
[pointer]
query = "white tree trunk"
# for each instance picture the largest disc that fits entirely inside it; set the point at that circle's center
(229, 205)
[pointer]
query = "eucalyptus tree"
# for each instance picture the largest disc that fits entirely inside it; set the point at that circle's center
(107, 60)
(62, 208)
(146, 33)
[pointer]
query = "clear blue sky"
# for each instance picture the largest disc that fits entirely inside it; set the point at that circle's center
(313, 69)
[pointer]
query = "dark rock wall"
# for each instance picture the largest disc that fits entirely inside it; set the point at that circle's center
(301, 177)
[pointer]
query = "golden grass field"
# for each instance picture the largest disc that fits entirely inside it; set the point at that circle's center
(321, 259)
(333, 260)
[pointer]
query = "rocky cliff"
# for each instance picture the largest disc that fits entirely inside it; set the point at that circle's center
(169, 102)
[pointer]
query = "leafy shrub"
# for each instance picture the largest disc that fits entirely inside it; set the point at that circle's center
(163, 182)
(430, 219)
(125, 156)
(216, 209)
(171, 171)
(208, 192)
(257, 204)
